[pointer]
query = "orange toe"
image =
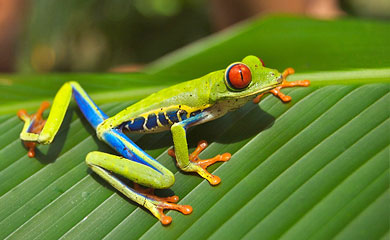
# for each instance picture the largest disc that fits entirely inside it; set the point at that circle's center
(164, 219)
(36, 125)
(162, 203)
(276, 91)
(214, 180)
(202, 164)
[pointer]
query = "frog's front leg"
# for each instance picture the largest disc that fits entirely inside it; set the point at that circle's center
(191, 163)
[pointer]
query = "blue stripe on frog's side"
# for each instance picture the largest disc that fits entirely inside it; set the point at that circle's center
(158, 119)
(172, 115)
(182, 114)
(151, 121)
(163, 119)
(135, 124)
(193, 120)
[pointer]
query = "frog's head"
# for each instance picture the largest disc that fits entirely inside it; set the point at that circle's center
(244, 80)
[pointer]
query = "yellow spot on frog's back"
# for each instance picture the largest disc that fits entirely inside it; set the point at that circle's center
(43, 58)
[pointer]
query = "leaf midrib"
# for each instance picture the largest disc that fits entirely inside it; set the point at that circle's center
(350, 77)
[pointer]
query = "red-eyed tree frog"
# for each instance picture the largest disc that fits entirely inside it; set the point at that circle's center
(176, 108)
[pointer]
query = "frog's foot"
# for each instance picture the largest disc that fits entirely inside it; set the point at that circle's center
(276, 91)
(157, 205)
(34, 124)
(199, 166)
(158, 208)
(149, 193)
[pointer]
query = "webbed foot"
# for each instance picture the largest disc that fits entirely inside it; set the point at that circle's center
(157, 205)
(35, 124)
(276, 91)
(199, 166)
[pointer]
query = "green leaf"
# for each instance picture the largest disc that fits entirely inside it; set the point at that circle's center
(316, 167)
(281, 42)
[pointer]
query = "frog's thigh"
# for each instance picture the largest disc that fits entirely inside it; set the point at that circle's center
(136, 172)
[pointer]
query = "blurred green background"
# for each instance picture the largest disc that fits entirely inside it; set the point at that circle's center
(124, 35)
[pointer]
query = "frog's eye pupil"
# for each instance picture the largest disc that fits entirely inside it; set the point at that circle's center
(262, 62)
(238, 76)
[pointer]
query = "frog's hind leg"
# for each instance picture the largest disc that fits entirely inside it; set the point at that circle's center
(36, 130)
(139, 167)
(140, 170)
(33, 124)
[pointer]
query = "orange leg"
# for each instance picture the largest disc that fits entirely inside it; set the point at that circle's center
(203, 164)
(149, 193)
(276, 91)
(36, 125)
(163, 203)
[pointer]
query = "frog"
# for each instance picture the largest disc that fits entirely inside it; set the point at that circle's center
(175, 108)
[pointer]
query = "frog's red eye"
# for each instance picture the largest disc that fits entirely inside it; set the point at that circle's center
(262, 62)
(238, 76)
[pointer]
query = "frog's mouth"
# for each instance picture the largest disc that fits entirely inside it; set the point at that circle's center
(260, 93)
(279, 81)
